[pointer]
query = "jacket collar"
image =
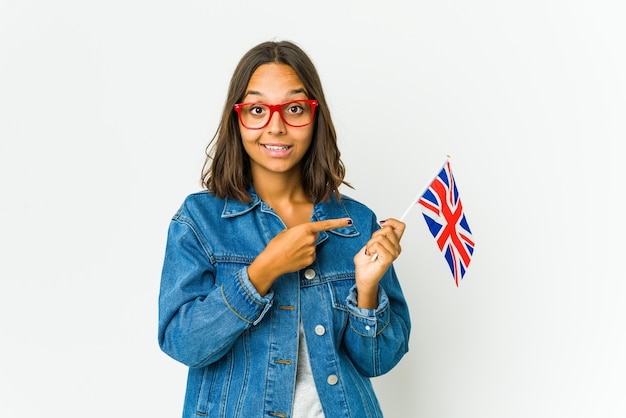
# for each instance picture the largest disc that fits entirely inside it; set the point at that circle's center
(331, 209)
(233, 208)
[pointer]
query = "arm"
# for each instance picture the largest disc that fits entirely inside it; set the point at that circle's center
(379, 323)
(199, 319)
(377, 339)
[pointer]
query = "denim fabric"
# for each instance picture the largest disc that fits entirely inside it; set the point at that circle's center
(241, 348)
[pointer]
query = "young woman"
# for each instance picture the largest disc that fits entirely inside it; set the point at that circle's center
(277, 291)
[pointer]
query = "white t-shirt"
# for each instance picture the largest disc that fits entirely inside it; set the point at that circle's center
(306, 402)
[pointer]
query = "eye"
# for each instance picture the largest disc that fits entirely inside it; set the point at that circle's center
(294, 108)
(257, 110)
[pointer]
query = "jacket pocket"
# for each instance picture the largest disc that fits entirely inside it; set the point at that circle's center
(339, 291)
(213, 391)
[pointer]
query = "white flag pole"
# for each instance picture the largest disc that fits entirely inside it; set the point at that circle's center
(419, 196)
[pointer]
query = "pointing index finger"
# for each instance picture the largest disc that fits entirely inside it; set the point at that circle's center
(329, 224)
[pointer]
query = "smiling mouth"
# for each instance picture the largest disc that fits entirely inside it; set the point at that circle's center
(276, 147)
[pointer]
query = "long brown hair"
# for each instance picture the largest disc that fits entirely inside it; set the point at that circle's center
(226, 170)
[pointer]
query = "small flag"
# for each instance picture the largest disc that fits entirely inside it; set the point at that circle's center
(443, 212)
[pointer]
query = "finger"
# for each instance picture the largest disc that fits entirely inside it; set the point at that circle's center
(364, 257)
(384, 239)
(397, 226)
(387, 234)
(383, 250)
(329, 224)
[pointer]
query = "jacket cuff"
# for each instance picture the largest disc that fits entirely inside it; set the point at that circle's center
(244, 300)
(368, 322)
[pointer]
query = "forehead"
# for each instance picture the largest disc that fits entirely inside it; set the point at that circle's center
(274, 81)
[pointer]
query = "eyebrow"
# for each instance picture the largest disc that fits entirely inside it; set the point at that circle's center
(290, 93)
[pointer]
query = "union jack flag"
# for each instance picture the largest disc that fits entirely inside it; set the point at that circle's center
(443, 212)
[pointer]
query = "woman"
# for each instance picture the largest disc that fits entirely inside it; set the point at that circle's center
(278, 292)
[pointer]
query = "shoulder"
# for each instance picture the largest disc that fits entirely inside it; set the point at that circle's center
(199, 203)
(202, 197)
(354, 208)
(350, 202)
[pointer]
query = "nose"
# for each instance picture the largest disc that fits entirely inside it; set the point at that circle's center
(276, 124)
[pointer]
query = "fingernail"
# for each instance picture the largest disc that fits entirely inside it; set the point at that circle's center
(349, 221)
(383, 221)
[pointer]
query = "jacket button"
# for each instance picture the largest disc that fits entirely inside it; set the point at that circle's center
(332, 379)
(309, 274)
(320, 330)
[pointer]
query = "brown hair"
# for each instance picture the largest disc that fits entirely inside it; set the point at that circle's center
(226, 170)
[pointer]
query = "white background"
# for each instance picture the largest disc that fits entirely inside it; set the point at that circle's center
(105, 111)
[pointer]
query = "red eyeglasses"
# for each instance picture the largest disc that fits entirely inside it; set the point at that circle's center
(296, 113)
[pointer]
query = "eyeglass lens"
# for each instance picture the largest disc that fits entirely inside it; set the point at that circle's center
(257, 115)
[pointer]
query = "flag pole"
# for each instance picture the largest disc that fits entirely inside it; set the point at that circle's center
(419, 196)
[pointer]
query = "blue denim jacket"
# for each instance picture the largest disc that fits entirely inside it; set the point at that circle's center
(241, 348)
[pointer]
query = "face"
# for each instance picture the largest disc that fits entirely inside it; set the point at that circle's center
(277, 148)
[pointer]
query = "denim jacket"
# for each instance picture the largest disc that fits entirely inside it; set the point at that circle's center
(241, 348)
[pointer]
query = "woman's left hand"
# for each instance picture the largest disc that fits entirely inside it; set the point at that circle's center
(374, 259)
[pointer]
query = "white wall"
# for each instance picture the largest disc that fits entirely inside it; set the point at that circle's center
(105, 110)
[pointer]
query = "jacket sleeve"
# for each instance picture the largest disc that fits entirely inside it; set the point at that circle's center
(376, 339)
(200, 319)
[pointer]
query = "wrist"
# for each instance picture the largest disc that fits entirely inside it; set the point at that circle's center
(261, 276)
(367, 296)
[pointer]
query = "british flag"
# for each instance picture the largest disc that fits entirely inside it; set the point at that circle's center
(443, 212)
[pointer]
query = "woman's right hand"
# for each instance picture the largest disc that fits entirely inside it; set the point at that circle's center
(290, 250)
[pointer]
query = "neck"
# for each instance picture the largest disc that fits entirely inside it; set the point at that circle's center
(286, 196)
(275, 189)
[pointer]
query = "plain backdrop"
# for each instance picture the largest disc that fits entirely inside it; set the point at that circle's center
(105, 111)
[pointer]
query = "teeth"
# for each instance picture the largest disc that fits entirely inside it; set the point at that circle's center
(275, 148)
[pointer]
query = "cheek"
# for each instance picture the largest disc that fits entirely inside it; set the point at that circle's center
(306, 137)
(249, 137)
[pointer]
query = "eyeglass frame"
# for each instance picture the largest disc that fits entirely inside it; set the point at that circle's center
(277, 108)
